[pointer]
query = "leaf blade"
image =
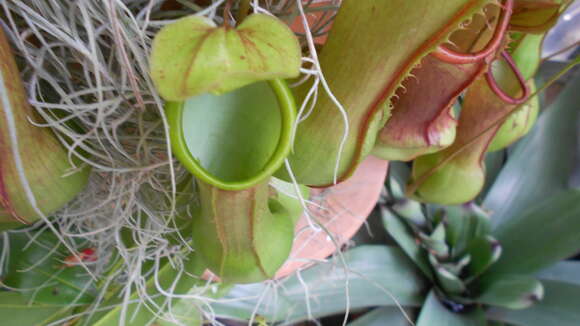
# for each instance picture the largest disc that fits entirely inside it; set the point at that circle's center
(538, 238)
(559, 307)
(515, 188)
(387, 271)
(434, 313)
(22, 313)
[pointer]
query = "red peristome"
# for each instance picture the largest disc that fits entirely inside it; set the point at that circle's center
(422, 112)
(492, 83)
(448, 55)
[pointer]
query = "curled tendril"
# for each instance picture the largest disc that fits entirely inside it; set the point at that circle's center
(498, 91)
(450, 56)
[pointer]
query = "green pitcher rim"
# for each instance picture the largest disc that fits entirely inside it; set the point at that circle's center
(287, 107)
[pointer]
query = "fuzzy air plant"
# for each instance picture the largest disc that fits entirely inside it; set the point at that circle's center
(153, 154)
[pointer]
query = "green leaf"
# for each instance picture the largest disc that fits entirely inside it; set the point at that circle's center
(193, 56)
(456, 267)
(39, 270)
(511, 291)
(182, 309)
(409, 209)
(399, 173)
(564, 271)
(496, 323)
(183, 312)
(438, 234)
(15, 310)
(464, 223)
(494, 162)
(391, 316)
(406, 240)
(540, 236)
(435, 242)
(484, 251)
(377, 272)
(548, 165)
(559, 307)
(449, 282)
(403, 207)
(287, 198)
(434, 313)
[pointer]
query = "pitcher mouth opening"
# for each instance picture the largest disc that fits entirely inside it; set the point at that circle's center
(235, 140)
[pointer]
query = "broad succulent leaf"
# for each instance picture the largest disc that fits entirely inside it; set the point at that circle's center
(449, 282)
(181, 283)
(436, 243)
(373, 269)
(558, 307)
(193, 56)
(406, 240)
(484, 252)
(511, 291)
(517, 190)
(464, 223)
(409, 209)
(456, 267)
(567, 271)
(22, 312)
(531, 242)
(434, 313)
(391, 316)
(37, 267)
